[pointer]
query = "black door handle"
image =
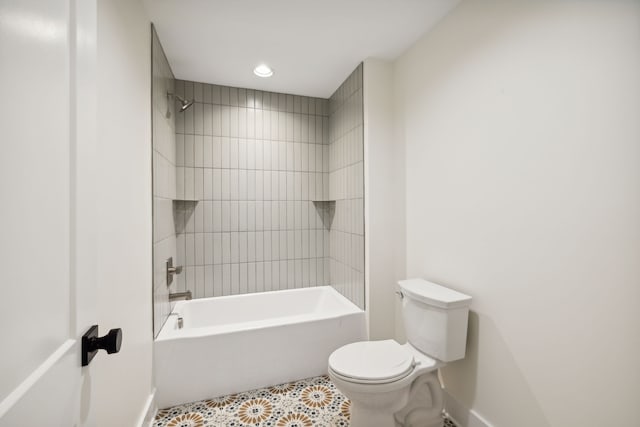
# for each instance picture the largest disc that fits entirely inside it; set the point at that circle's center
(91, 343)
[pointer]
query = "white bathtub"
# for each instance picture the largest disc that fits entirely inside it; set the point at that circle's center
(242, 342)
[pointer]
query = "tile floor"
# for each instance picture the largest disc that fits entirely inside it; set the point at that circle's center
(448, 422)
(312, 402)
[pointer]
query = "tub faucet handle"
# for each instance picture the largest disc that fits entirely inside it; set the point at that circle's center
(171, 270)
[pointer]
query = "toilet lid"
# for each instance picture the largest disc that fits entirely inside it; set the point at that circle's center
(371, 361)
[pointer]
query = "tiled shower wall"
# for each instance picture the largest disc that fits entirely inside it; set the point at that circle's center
(346, 187)
(164, 180)
(249, 165)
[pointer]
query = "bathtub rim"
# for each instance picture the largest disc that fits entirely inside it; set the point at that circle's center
(165, 334)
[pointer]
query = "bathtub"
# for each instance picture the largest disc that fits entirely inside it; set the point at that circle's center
(242, 342)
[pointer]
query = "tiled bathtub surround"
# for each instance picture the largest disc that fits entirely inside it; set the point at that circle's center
(346, 187)
(164, 180)
(254, 161)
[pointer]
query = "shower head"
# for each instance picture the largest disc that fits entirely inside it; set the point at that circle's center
(184, 103)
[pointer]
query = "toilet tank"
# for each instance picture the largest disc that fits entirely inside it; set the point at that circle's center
(435, 318)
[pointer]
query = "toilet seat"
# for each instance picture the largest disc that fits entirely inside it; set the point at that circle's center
(372, 362)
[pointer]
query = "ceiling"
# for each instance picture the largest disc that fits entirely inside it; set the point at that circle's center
(312, 45)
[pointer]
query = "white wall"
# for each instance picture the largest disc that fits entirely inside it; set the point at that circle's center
(384, 203)
(521, 125)
(123, 381)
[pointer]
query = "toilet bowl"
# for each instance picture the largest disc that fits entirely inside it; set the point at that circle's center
(394, 385)
(381, 378)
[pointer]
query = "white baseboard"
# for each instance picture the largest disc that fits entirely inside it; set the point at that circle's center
(461, 415)
(149, 411)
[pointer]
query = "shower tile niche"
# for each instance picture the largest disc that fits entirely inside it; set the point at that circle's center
(255, 162)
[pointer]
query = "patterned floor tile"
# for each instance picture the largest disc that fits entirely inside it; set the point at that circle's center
(448, 422)
(313, 402)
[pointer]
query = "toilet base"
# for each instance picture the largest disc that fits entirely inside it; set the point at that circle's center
(370, 418)
(417, 405)
(425, 405)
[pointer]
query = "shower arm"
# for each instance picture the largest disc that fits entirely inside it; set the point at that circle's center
(184, 103)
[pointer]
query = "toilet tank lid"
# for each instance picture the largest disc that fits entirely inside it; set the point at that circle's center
(433, 294)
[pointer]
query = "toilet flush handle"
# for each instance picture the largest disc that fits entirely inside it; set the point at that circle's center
(400, 294)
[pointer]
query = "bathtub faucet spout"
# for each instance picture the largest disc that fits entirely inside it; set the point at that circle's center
(180, 295)
(180, 320)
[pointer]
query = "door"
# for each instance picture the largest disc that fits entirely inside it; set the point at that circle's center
(47, 132)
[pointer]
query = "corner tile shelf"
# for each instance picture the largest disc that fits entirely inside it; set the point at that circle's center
(182, 210)
(185, 201)
(326, 209)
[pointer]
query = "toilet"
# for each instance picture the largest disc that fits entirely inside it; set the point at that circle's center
(396, 385)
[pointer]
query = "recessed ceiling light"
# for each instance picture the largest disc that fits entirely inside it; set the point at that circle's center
(263, 70)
